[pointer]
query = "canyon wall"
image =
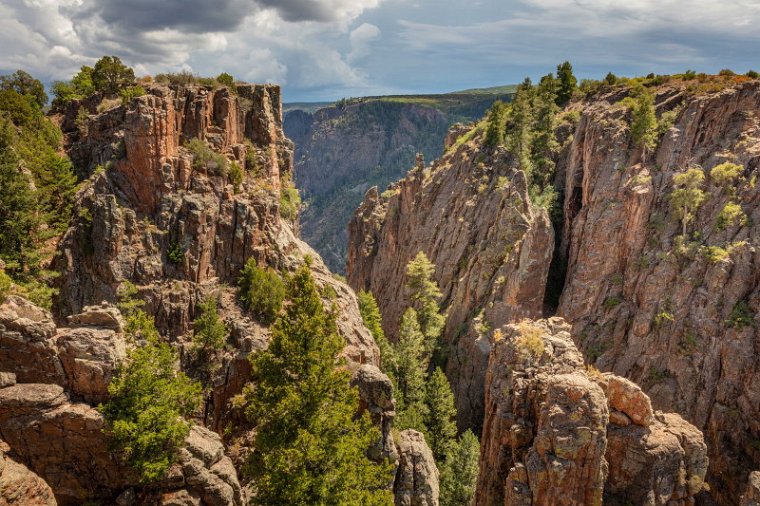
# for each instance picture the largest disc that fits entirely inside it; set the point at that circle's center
(676, 314)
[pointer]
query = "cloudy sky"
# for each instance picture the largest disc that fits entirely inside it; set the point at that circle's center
(328, 49)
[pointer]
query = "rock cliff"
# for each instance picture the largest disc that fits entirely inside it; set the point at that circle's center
(343, 149)
(676, 314)
(557, 434)
(471, 215)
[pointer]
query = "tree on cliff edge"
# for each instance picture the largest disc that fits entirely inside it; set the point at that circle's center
(567, 83)
(110, 75)
(310, 445)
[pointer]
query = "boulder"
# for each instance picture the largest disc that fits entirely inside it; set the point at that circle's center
(21, 487)
(416, 482)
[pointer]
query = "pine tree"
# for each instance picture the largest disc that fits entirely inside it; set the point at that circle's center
(496, 124)
(150, 401)
(310, 446)
(644, 122)
(409, 373)
(459, 473)
(425, 294)
(19, 217)
(520, 126)
(567, 83)
(373, 320)
(544, 143)
(209, 337)
(687, 195)
(441, 415)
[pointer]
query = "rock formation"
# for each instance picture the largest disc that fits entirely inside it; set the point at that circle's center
(472, 217)
(21, 487)
(556, 434)
(751, 496)
(677, 315)
(416, 482)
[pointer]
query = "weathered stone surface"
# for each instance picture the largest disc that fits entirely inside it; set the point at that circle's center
(650, 311)
(21, 487)
(65, 444)
(471, 215)
(28, 343)
(549, 438)
(104, 316)
(416, 482)
(751, 496)
(376, 396)
(626, 396)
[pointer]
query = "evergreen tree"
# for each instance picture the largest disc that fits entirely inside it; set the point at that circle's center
(310, 446)
(441, 415)
(209, 337)
(544, 142)
(373, 320)
(424, 294)
(644, 122)
(24, 84)
(520, 126)
(19, 219)
(149, 402)
(496, 124)
(409, 373)
(687, 195)
(110, 75)
(459, 473)
(567, 83)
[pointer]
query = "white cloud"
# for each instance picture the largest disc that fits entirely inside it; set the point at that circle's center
(361, 39)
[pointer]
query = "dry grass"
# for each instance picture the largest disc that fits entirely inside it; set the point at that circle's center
(530, 341)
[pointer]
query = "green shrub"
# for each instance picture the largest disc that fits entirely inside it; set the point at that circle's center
(752, 74)
(662, 317)
(226, 79)
(5, 286)
(127, 94)
(726, 173)
(175, 253)
(236, 176)
(145, 415)
(741, 316)
(726, 72)
(290, 202)
(731, 215)
(262, 291)
(687, 195)
(714, 254)
(612, 301)
(205, 157)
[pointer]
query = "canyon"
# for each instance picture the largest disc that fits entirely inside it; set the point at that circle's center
(675, 313)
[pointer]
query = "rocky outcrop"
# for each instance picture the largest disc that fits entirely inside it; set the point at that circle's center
(65, 444)
(471, 215)
(376, 396)
(557, 434)
(677, 315)
(21, 487)
(416, 482)
(751, 496)
(81, 358)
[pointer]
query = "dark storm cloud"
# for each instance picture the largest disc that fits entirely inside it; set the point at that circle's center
(197, 16)
(300, 10)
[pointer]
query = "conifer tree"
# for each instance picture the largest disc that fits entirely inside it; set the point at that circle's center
(644, 122)
(567, 83)
(496, 124)
(209, 337)
(150, 400)
(373, 320)
(440, 421)
(544, 142)
(520, 126)
(19, 219)
(425, 294)
(310, 446)
(459, 473)
(409, 373)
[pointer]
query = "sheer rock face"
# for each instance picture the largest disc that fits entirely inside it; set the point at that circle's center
(470, 214)
(376, 396)
(662, 315)
(678, 318)
(416, 482)
(550, 438)
(21, 487)
(150, 201)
